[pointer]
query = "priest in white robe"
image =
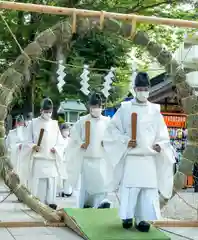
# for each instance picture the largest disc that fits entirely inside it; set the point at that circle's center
(67, 189)
(28, 119)
(43, 153)
(14, 141)
(143, 166)
(87, 161)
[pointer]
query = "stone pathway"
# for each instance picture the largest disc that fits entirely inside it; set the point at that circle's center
(13, 211)
(182, 206)
(39, 233)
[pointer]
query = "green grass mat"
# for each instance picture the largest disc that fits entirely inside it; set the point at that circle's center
(104, 224)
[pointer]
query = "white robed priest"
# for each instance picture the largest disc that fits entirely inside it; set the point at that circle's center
(28, 119)
(14, 141)
(44, 151)
(87, 160)
(67, 189)
(142, 157)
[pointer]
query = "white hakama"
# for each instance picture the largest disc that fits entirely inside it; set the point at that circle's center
(66, 187)
(90, 165)
(14, 141)
(43, 168)
(140, 172)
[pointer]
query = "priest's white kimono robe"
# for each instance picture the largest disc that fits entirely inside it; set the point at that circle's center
(14, 141)
(91, 164)
(140, 172)
(43, 168)
(67, 189)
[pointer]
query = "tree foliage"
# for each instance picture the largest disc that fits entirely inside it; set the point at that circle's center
(100, 50)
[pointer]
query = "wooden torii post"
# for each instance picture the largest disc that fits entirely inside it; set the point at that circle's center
(27, 7)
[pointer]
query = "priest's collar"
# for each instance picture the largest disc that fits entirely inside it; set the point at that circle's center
(135, 102)
(92, 117)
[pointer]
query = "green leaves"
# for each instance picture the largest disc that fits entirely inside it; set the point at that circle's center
(99, 49)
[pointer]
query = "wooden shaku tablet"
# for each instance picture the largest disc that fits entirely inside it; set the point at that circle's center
(40, 137)
(133, 126)
(87, 132)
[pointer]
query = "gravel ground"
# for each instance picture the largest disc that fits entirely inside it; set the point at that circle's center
(178, 209)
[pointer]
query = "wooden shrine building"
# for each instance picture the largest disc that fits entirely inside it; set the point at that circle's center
(164, 93)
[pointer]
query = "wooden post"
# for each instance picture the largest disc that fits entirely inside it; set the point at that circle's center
(27, 7)
(175, 223)
(30, 224)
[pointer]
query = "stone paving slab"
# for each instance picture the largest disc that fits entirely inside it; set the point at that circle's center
(38, 234)
(5, 234)
(29, 231)
(64, 233)
(12, 210)
(17, 216)
(187, 233)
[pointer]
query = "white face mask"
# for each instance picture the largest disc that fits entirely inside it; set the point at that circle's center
(65, 134)
(96, 112)
(142, 96)
(46, 116)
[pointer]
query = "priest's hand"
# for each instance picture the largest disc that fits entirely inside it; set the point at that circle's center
(132, 144)
(157, 148)
(53, 150)
(84, 146)
(36, 148)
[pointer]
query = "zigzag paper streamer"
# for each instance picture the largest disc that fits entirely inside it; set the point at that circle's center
(108, 81)
(61, 76)
(85, 78)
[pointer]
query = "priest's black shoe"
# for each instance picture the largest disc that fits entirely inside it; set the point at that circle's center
(87, 206)
(143, 226)
(104, 205)
(66, 194)
(127, 223)
(53, 206)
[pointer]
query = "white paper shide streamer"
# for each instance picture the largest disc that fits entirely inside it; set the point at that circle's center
(107, 83)
(61, 76)
(84, 83)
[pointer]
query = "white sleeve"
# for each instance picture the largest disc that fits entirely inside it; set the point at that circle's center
(162, 135)
(115, 129)
(30, 133)
(7, 141)
(76, 133)
(60, 140)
